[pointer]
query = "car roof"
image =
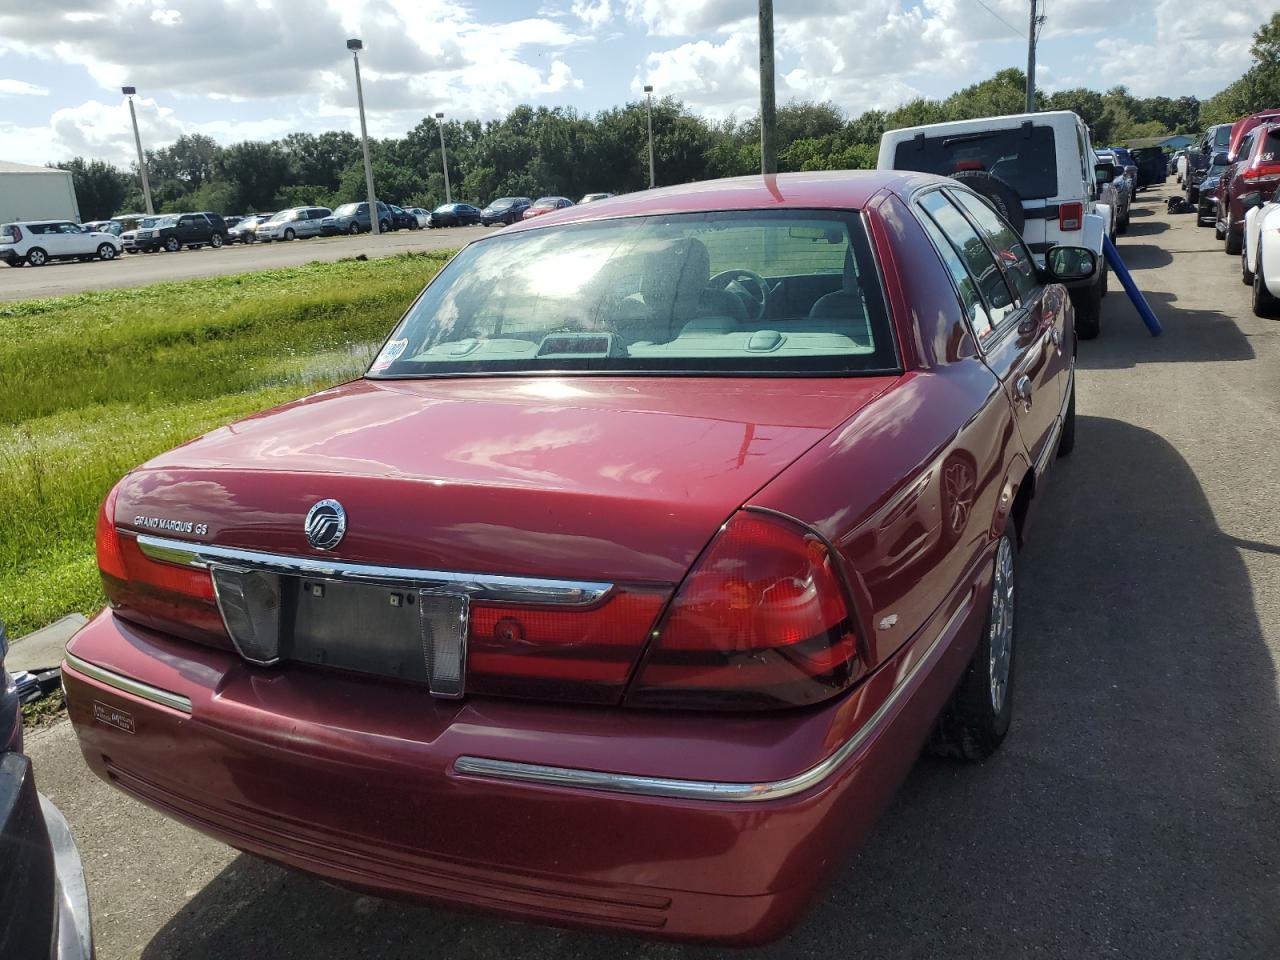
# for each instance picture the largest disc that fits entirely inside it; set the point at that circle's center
(835, 189)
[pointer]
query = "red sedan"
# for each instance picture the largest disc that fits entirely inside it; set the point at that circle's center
(621, 593)
(546, 205)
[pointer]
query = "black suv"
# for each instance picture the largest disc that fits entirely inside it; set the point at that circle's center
(178, 230)
(1200, 158)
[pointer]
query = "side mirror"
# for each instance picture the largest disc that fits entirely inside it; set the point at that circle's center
(1251, 199)
(1070, 263)
(1104, 172)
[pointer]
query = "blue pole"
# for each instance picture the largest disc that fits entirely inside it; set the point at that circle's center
(1131, 288)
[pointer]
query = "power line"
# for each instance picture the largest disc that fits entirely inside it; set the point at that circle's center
(998, 17)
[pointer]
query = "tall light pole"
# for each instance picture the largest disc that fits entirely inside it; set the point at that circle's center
(355, 46)
(768, 101)
(137, 142)
(444, 158)
(1033, 34)
(648, 109)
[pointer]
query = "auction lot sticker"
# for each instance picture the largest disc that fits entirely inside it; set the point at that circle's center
(113, 716)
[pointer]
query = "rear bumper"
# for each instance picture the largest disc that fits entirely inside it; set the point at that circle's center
(369, 784)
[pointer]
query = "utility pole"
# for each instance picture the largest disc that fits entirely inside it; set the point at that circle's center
(355, 46)
(444, 159)
(648, 109)
(1033, 34)
(768, 102)
(137, 141)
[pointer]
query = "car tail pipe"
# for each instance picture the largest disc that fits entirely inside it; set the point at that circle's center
(1139, 301)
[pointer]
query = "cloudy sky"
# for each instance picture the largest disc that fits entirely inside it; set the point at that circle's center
(257, 69)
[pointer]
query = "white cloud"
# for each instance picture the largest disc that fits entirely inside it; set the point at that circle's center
(593, 14)
(20, 88)
(166, 18)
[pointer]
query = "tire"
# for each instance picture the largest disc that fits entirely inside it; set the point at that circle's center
(106, 251)
(1123, 226)
(172, 245)
(354, 229)
(976, 721)
(1265, 303)
(1067, 438)
(36, 257)
(1106, 276)
(290, 235)
(1232, 243)
(384, 227)
(215, 241)
(1002, 196)
(1246, 275)
(1088, 304)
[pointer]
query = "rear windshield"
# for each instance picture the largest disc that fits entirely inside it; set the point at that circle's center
(346, 210)
(1023, 157)
(725, 292)
(1222, 137)
(1270, 150)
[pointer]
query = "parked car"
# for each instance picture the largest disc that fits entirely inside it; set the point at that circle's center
(1178, 164)
(507, 210)
(1245, 124)
(354, 218)
(44, 912)
(402, 219)
(1207, 192)
(592, 197)
(1260, 258)
(423, 217)
(1216, 140)
(175, 231)
(246, 231)
(546, 205)
(37, 242)
(292, 224)
(1255, 169)
(651, 659)
(1116, 192)
(456, 215)
(113, 227)
(1040, 171)
(1153, 166)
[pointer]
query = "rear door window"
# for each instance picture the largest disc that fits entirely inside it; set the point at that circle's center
(1025, 157)
(1019, 268)
(974, 308)
(973, 250)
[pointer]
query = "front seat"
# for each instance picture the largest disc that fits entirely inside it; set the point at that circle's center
(675, 273)
(843, 311)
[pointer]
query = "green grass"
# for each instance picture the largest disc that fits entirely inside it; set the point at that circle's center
(92, 385)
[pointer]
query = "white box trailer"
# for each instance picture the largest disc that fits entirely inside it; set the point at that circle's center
(36, 193)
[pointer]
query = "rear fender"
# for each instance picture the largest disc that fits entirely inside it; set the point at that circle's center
(1018, 475)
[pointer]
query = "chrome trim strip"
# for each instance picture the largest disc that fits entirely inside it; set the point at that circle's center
(137, 688)
(479, 586)
(708, 789)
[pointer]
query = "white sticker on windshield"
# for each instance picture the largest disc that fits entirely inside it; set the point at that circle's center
(390, 354)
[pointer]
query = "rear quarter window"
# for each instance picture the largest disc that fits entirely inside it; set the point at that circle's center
(1025, 158)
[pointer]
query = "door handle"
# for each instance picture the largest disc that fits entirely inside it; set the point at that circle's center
(1022, 388)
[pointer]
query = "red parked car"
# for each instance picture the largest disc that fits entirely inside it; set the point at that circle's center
(546, 205)
(1250, 180)
(622, 593)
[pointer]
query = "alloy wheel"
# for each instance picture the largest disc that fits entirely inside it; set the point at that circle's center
(1001, 636)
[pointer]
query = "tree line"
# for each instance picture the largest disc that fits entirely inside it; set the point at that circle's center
(559, 151)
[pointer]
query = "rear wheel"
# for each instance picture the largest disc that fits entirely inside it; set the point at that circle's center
(36, 257)
(975, 722)
(1265, 303)
(106, 251)
(353, 229)
(1232, 241)
(215, 241)
(1246, 275)
(384, 227)
(1088, 304)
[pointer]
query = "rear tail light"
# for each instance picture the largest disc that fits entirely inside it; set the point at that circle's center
(166, 596)
(762, 621)
(1265, 173)
(1070, 216)
(12, 235)
(580, 655)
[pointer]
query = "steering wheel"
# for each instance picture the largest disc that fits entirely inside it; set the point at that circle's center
(747, 285)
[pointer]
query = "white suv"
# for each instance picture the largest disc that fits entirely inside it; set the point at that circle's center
(37, 242)
(1037, 169)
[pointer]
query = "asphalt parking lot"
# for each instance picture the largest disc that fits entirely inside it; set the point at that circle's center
(1134, 811)
(133, 270)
